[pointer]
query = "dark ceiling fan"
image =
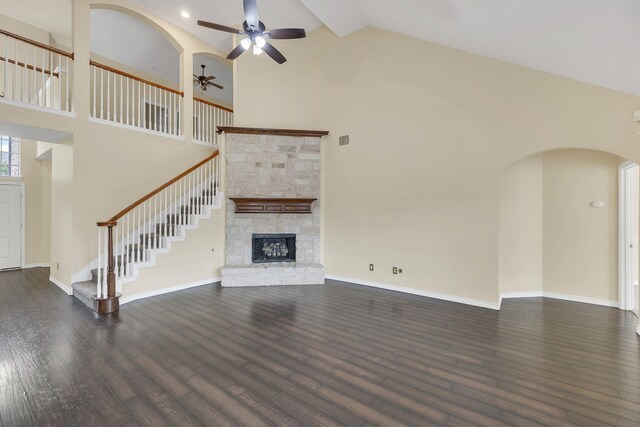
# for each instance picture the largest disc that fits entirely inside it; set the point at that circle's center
(204, 81)
(257, 33)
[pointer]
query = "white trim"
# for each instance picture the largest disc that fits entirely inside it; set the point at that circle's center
(51, 110)
(169, 290)
(137, 129)
(638, 330)
(206, 144)
(419, 292)
(36, 265)
(624, 230)
(565, 297)
(23, 225)
(529, 294)
(61, 285)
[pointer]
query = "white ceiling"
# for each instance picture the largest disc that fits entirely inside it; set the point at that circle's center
(53, 16)
(588, 40)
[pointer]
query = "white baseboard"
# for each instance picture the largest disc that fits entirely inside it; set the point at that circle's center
(412, 291)
(555, 295)
(37, 265)
(61, 285)
(131, 298)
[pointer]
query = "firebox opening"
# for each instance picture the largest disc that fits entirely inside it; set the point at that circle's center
(273, 248)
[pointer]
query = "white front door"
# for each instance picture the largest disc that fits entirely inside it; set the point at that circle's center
(10, 226)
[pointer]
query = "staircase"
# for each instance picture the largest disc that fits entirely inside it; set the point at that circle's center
(132, 238)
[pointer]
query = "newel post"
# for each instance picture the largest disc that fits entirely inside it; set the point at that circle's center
(109, 303)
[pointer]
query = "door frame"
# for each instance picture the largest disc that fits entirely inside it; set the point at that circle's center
(10, 181)
(625, 269)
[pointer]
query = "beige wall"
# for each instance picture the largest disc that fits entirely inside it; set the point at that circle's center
(431, 130)
(581, 242)
(197, 260)
(521, 231)
(36, 175)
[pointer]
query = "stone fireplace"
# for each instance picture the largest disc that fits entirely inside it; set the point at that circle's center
(273, 211)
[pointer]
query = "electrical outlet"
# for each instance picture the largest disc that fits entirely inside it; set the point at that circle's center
(370, 267)
(395, 270)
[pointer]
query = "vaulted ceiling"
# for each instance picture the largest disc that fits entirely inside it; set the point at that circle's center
(588, 40)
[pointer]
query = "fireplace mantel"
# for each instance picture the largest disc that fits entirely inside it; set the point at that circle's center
(280, 132)
(260, 205)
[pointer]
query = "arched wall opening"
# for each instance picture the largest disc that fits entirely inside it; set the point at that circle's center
(554, 241)
(131, 42)
(222, 70)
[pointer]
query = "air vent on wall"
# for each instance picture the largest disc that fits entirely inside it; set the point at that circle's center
(343, 140)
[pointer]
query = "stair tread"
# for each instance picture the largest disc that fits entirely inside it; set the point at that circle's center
(86, 289)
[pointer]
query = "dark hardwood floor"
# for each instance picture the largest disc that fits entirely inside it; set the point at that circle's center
(338, 354)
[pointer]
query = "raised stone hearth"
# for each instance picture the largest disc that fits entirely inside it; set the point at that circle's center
(274, 170)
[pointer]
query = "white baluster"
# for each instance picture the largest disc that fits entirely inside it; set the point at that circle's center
(109, 75)
(6, 60)
(140, 102)
(99, 282)
(102, 93)
(59, 96)
(105, 261)
(66, 82)
(128, 100)
(121, 98)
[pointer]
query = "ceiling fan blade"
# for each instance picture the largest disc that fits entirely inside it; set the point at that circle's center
(220, 27)
(196, 77)
(211, 78)
(274, 53)
(239, 50)
(287, 33)
(215, 85)
(251, 13)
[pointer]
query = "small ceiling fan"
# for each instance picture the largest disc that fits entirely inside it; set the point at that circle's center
(257, 34)
(204, 81)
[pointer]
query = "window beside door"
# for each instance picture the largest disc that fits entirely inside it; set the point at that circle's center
(9, 156)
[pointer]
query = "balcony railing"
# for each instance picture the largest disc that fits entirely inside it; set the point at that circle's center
(123, 98)
(34, 73)
(207, 116)
(40, 75)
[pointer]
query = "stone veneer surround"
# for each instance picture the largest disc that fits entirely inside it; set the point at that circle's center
(272, 166)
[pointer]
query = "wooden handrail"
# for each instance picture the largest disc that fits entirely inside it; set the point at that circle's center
(29, 67)
(114, 221)
(37, 44)
(213, 104)
(131, 76)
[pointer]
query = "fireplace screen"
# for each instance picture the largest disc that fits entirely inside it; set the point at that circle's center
(273, 248)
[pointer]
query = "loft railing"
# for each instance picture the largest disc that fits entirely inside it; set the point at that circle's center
(123, 98)
(128, 236)
(207, 116)
(34, 73)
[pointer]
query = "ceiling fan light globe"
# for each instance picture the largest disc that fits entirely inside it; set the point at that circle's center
(246, 43)
(257, 50)
(260, 42)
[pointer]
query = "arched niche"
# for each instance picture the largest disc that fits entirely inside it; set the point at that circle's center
(136, 44)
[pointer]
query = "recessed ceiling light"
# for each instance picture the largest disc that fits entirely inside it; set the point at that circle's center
(185, 14)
